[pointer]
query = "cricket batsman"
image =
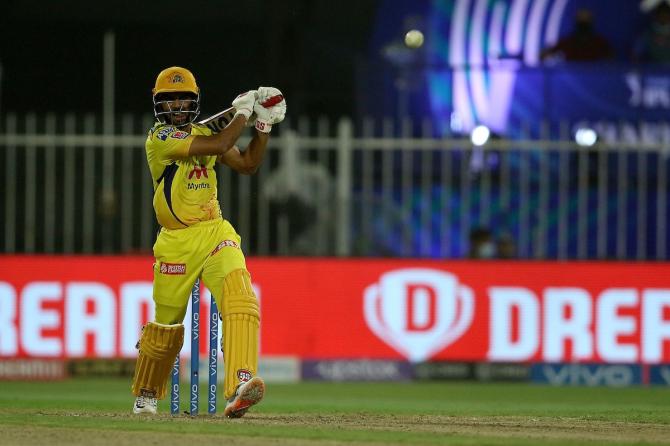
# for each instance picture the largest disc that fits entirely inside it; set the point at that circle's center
(195, 241)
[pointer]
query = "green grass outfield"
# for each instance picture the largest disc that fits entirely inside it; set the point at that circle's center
(98, 412)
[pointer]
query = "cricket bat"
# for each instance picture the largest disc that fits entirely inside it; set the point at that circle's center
(220, 120)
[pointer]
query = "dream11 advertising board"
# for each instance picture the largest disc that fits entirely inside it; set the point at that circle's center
(316, 309)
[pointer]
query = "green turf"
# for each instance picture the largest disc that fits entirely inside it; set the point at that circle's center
(105, 404)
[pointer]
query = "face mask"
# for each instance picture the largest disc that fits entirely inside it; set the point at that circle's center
(486, 250)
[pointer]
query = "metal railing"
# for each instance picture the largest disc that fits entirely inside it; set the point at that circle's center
(367, 188)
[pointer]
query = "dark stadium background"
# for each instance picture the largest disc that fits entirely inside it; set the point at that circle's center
(51, 52)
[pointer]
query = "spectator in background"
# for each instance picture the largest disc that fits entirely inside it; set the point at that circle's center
(505, 247)
(653, 45)
(583, 44)
(482, 245)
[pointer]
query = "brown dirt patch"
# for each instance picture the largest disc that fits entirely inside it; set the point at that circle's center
(521, 427)
(552, 429)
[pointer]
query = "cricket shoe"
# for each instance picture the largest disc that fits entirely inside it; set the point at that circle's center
(246, 395)
(145, 404)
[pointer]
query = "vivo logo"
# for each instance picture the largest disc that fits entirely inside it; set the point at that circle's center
(665, 374)
(660, 374)
(588, 375)
(195, 330)
(194, 398)
(418, 311)
(212, 398)
(212, 364)
(214, 325)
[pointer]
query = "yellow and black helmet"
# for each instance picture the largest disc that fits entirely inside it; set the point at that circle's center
(176, 80)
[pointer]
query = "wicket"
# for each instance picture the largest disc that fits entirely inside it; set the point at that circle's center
(195, 358)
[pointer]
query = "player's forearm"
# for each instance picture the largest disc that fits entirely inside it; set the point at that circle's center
(231, 133)
(255, 151)
(219, 143)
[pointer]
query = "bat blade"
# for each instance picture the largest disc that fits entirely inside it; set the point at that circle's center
(219, 121)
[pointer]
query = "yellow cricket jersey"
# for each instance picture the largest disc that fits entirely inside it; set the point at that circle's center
(184, 187)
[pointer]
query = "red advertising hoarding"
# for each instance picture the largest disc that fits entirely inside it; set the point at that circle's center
(331, 308)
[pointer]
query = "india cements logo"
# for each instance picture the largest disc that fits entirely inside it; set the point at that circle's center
(173, 268)
(418, 311)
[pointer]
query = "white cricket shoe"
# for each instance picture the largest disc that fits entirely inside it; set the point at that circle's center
(246, 395)
(145, 404)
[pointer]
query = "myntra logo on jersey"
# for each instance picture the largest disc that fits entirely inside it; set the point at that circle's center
(419, 312)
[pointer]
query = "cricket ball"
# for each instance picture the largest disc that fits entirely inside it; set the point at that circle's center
(414, 38)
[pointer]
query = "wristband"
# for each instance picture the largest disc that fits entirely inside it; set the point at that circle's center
(263, 127)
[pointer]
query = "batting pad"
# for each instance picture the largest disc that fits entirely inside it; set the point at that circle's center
(159, 346)
(241, 323)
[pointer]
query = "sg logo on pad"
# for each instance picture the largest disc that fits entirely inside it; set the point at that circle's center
(418, 311)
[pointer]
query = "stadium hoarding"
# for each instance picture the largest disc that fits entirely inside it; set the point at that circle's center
(590, 375)
(357, 370)
(659, 374)
(335, 309)
(29, 369)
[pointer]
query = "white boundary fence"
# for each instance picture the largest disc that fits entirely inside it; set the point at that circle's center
(341, 188)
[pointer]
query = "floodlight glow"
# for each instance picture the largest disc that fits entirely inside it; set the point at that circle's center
(480, 135)
(586, 137)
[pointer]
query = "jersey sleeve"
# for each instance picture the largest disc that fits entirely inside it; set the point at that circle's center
(171, 143)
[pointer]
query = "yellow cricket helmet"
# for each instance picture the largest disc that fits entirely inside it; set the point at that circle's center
(176, 80)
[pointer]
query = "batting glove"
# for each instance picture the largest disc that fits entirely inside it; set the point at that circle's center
(244, 104)
(270, 108)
